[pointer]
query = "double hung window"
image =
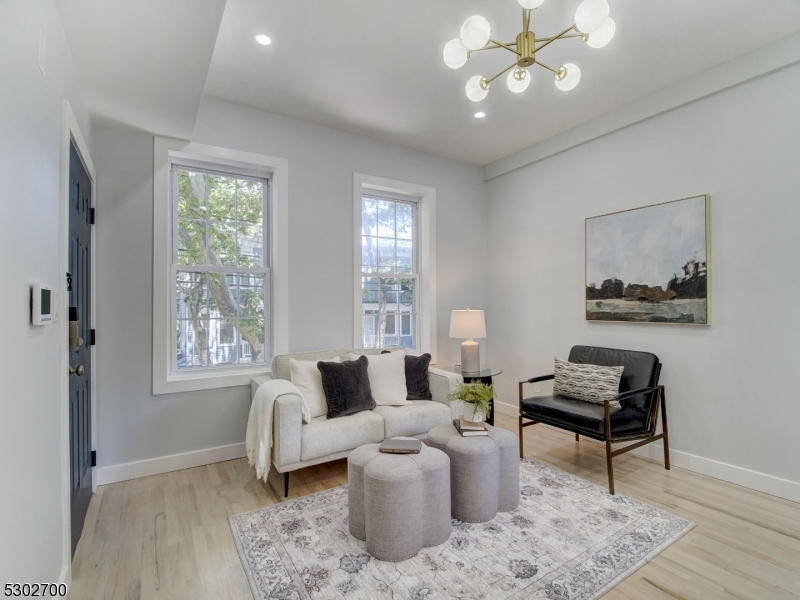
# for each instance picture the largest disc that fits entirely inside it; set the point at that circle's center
(389, 271)
(220, 268)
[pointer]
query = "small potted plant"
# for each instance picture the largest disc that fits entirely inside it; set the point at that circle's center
(477, 398)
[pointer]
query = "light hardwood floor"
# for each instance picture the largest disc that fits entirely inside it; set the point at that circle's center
(167, 536)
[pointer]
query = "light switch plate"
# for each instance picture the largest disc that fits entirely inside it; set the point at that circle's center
(537, 388)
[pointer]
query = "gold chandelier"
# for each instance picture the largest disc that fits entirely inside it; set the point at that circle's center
(591, 23)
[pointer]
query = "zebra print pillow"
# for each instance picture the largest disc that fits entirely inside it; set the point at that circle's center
(590, 383)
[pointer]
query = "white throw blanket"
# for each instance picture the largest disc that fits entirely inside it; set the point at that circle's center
(259, 425)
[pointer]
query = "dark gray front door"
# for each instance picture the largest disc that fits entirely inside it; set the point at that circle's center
(80, 295)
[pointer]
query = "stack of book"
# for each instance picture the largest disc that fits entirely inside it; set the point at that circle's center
(470, 428)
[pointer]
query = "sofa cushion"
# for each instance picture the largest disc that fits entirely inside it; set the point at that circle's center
(417, 379)
(419, 417)
(584, 417)
(306, 376)
(325, 436)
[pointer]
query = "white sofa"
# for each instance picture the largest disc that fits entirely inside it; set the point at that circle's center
(296, 444)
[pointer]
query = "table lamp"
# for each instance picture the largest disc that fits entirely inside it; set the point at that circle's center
(468, 324)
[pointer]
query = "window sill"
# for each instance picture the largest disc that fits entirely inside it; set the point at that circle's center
(208, 380)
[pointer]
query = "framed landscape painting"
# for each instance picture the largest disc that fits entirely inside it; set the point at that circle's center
(649, 264)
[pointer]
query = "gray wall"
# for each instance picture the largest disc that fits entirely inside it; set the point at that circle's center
(730, 385)
(133, 424)
(30, 155)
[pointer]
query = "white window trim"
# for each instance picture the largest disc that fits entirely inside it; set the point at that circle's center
(165, 380)
(426, 313)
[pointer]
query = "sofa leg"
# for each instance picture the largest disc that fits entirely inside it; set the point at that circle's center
(286, 484)
(610, 469)
(577, 438)
(521, 452)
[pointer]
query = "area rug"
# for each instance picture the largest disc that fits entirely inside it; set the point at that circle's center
(569, 539)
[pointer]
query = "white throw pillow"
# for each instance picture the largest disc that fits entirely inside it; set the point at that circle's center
(387, 377)
(305, 375)
(590, 383)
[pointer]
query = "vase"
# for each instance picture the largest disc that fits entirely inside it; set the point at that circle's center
(470, 414)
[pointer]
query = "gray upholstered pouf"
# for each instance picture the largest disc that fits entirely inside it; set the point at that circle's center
(399, 503)
(484, 471)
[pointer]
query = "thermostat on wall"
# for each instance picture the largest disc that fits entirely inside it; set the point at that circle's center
(42, 305)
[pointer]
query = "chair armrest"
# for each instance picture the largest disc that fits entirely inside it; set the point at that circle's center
(632, 393)
(538, 379)
(287, 421)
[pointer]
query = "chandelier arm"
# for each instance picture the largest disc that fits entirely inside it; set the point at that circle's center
(506, 46)
(548, 67)
(511, 66)
(487, 47)
(553, 39)
(562, 37)
(526, 20)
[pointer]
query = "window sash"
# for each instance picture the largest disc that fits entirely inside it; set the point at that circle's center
(414, 233)
(175, 266)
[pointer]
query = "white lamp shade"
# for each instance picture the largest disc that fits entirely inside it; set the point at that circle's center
(518, 80)
(467, 324)
(455, 54)
(475, 32)
(602, 36)
(591, 15)
(530, 4)
(570, 79)
(474, 90)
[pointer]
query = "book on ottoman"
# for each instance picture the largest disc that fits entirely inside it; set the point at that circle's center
(401, 446)
(468, 432)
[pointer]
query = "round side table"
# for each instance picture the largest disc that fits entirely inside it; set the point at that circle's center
(484, 376)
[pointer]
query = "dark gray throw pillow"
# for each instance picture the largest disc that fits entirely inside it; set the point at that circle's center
(417, 385)
(346, 386)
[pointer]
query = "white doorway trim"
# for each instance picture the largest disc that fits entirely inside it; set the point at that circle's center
(70, 132)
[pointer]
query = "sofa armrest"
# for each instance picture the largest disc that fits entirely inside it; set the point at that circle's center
(287, 421)
(442, 383)
(256, 383)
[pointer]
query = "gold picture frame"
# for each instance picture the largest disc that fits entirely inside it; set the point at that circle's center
(628, 257)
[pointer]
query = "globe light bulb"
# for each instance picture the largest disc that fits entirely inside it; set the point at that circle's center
(518, 80)
(568, 77)
(475, 32)
(263, 39)
(475, 91)
(530, 4)
(455, 54)
(591, 15)
(602, 36)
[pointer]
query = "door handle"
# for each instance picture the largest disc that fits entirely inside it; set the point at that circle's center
(78, 371)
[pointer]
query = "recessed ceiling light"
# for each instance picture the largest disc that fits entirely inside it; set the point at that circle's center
(480, 115)
(263, 39)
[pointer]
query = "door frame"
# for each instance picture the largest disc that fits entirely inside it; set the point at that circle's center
(71, 133)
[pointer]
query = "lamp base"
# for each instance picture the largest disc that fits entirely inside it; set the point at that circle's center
(470, 358)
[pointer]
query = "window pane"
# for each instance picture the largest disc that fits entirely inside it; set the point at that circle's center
(221, 295)
(251, 332)
(221, 198)
(386, 218)
(222, 342)
(251, 296)
(192, 343)
(250, 196)
(221, 244)
(404, 257)
(369, 254)
(191, 295)
(386, 258)
(191, 242)
(251, 245)
(405, 221)
(405, 324)
(390, 323)
(369, 213)
(192, 195)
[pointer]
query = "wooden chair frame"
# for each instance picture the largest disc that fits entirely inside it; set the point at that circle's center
(645, 437)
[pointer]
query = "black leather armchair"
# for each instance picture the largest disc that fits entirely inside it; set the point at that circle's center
(640, 398)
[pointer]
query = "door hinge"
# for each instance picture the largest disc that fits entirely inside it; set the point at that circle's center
(94, 458)
(92, 337)
(91, 216)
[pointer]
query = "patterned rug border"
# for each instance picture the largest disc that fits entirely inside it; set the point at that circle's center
(610, 585)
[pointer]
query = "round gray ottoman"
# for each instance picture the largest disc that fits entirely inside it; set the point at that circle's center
(484, 471)
(399, 503)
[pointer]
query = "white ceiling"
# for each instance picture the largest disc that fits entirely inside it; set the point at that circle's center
(143, 64)
(374, 67)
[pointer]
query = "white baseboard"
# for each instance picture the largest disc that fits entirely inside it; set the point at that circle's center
(165, 464)
(761, 482)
